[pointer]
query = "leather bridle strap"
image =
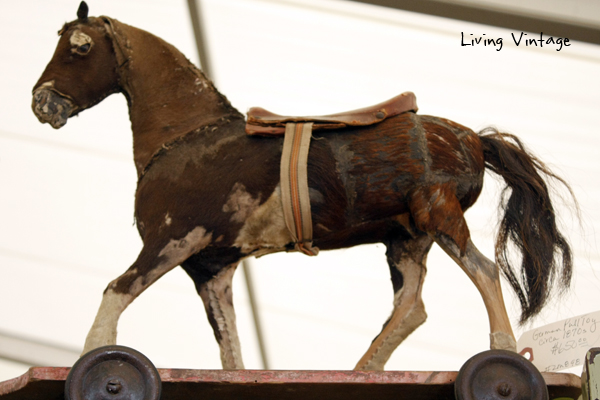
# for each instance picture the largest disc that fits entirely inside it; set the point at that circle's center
(294, 186)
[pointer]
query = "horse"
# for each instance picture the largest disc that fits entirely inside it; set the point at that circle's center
(209, 195)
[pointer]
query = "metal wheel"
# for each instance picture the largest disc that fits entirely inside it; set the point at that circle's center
(115, 373)
(499, 375)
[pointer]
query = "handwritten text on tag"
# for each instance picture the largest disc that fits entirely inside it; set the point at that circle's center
(562, 344)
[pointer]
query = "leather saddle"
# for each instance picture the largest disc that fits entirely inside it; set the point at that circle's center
(266, 123)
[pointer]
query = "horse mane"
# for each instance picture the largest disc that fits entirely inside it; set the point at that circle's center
(119, 34)
(134, 49)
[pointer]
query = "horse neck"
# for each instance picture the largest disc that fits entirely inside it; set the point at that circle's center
(168, 96)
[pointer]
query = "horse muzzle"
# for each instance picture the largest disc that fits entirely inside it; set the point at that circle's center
(51, 106)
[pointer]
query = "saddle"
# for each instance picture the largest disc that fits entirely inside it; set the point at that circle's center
(265, 123)
(297, 133)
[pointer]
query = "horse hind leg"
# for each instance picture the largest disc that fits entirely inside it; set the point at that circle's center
(484, 274)
(437, 211)
(406, 259)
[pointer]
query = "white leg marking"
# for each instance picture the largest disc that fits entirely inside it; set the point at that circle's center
(218, 300)
(502, 341)
(408, 314)
(485, 275)
(193, 242)
(175, 252)
(104, 329)
(409, 310)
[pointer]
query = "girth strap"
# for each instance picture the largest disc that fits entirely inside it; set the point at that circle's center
(294, 186)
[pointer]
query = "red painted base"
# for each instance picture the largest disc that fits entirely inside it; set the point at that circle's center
(45, 383)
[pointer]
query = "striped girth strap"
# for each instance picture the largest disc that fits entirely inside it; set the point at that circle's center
(294, 186)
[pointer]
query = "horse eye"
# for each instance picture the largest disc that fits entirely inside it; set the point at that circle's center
(84, 48)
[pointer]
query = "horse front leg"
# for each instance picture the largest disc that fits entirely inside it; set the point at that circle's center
(104, 329)
(152, 263)
(217, 295)
(218, 302)
(407, 265)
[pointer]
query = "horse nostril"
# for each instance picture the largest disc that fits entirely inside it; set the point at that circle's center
(40, 101)
(52, 108)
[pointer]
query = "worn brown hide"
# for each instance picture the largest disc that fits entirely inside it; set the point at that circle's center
(208, 194)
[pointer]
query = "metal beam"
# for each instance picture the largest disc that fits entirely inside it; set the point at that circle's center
(489, 15)
(260, 337)
(35, 353)
(199, 35)
(203, 54)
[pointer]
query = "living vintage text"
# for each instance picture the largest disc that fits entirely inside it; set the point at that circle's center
(520, 39)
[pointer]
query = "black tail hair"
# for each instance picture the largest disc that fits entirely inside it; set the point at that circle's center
(529, 223)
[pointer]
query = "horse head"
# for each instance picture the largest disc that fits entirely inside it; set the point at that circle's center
(82, 72)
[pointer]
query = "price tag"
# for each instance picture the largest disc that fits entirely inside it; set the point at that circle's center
(562, 344)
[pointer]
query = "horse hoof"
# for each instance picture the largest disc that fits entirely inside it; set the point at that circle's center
(502, 341)
(113, 372)
(500, 375)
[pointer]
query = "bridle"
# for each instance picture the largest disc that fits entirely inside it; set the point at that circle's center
(123, 56)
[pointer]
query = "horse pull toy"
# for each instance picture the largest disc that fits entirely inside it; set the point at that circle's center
(118, 372)
(209, 195)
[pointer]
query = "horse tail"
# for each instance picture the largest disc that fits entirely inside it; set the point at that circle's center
(529, 223)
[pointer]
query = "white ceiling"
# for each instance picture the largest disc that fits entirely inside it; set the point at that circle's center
(67, 203)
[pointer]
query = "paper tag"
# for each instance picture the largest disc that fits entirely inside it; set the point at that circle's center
(562, 344)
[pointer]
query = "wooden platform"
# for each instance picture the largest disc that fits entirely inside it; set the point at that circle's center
(41, 383)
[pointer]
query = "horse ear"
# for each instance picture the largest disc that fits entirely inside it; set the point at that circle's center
(82, 12)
